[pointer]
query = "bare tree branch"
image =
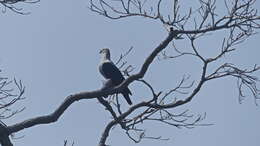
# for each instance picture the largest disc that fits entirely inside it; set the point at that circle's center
(12, 5)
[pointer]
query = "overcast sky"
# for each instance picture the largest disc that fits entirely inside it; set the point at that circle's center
(54, 51)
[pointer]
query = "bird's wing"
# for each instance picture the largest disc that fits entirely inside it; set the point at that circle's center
(110, 71)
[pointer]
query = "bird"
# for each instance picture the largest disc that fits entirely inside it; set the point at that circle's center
(110, 72)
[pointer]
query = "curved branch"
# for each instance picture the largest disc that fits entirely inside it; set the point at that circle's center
(4, 137)
(53, 117)
(149, 60)
(190, 97)
(106, 133)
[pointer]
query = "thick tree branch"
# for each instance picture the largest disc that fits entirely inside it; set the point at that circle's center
(4, 136)
(105, 134)
(57, 113)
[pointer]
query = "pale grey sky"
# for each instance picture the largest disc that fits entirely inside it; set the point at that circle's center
(54, 51)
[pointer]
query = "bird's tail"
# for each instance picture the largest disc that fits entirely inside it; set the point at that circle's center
(126, 94)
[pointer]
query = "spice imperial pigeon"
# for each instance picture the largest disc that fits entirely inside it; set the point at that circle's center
(109, 70)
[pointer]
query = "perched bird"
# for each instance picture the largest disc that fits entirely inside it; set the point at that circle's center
(109, 70)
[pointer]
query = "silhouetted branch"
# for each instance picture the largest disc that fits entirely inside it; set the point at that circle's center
(4, 136)
(244, 78)
(11, 91)
(141, 135)
(12, 5)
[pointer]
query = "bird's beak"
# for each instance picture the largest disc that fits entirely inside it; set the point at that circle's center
(100, 51)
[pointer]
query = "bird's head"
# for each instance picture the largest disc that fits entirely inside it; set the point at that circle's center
(105, 52)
